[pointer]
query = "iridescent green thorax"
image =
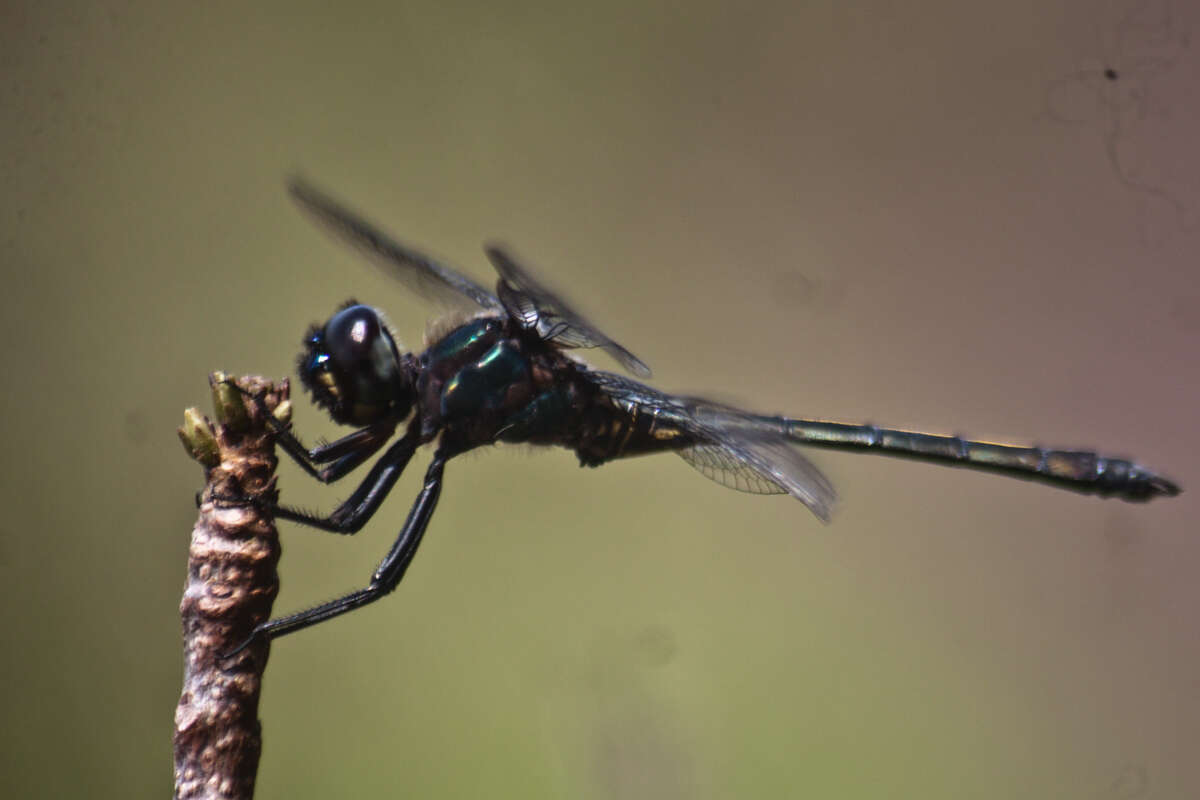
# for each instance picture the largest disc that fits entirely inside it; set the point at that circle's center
(487, 383)
(464, 343)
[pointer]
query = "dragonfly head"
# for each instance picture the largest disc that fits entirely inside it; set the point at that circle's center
(355, 370)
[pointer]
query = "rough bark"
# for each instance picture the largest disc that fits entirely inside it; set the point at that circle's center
(231, 585)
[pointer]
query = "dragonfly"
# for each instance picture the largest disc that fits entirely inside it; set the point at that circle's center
(502, 370)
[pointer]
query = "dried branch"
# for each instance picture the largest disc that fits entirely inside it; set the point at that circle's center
(230, 587)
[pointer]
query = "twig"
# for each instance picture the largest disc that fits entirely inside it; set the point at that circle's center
(231, 585)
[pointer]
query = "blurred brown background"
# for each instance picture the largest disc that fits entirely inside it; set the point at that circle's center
(940, 216)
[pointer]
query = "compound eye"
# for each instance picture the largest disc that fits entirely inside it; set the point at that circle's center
(351, 335)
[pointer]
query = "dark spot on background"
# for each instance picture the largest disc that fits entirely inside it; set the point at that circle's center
(1132, 782)
(794, 290)
(1186, 311)
(136, 426)
(656, 646)
(1121, 535)
(1127, 102)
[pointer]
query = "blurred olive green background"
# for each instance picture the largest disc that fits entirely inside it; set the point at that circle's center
(932, 215)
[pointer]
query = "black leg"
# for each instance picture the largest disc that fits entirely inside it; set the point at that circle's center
(351, 515)
(387, 575)
(346, 453)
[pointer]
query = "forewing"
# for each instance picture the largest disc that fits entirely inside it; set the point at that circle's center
(535, 307)
(414, 269)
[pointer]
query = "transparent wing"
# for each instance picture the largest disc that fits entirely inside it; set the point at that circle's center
(414, 269)
(737, 449)
(719, 465)
(535, 307)
(767, 454)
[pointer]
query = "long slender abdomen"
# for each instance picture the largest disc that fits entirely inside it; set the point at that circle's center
(1077, 470)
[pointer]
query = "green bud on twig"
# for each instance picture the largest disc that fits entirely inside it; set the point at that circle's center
(198, 438)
